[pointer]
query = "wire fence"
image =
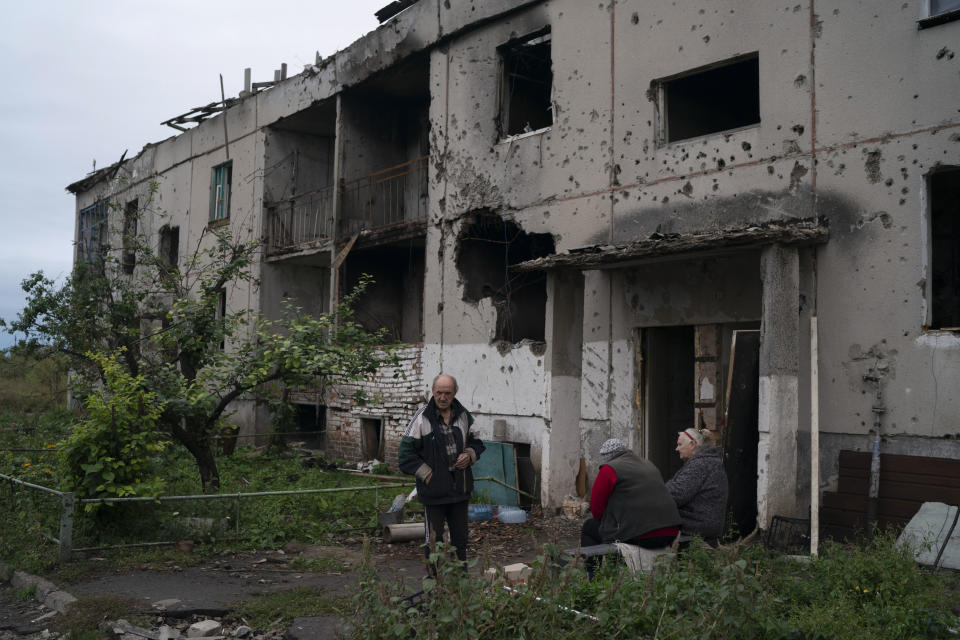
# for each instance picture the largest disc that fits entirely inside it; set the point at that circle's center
(221, 514)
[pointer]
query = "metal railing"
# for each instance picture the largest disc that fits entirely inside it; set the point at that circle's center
(300, 222)
(388, 196)
(68, 504)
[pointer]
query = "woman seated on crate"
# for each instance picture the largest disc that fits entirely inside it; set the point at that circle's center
(629, 502)
(700, 486)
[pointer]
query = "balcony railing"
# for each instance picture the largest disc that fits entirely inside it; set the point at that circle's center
(389, 196)
(386, 197)
(300, 222)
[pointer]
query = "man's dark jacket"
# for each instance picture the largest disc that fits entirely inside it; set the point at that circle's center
(422, 452)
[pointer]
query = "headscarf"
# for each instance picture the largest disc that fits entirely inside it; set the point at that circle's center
(611, 448)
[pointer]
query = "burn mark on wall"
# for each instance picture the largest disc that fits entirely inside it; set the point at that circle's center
(487, 248)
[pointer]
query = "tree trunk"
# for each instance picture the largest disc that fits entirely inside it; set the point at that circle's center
(207, 464)
(202, 454)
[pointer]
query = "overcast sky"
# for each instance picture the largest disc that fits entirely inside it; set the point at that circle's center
(86, 81)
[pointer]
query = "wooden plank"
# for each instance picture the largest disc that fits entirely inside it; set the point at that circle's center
(919, 492)
(921, 465)
(916, 478)
(854, 459)
(847, 501)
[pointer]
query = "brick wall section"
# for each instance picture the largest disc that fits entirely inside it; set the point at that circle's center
(392, 400)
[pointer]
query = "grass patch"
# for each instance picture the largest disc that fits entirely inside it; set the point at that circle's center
(849, 593)
(280, 608)
(325, 563)
(27, 593)
(84, 617)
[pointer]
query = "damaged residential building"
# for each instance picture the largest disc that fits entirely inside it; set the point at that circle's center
(612, 219)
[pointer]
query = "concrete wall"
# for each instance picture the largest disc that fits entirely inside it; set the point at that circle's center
(857, 106)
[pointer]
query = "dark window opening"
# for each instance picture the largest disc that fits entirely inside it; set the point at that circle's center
(371, 438)
(92, 232)
(945, 249)
(220, 314)
(129, 258)
(487, 249)
(717, 99)
(527, 84)
(311, 423)
(395, 299)
(169, 250)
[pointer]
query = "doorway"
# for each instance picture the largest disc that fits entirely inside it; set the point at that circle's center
(741, 435)
(668, 356)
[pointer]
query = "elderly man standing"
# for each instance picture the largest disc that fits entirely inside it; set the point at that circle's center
(438, 447)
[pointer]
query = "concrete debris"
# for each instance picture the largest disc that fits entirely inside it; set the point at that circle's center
(204, 629)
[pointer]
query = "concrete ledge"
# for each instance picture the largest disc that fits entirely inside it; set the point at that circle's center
(45, 592)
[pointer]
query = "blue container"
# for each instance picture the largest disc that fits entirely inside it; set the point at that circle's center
(477, 512)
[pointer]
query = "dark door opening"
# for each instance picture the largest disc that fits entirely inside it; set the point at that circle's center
(741, 435)
(311, 425)
(371, 440)
(669, 382)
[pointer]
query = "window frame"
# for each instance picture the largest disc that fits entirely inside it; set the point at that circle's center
(662, 133)
(92, 219)
(930, 257)
(928, 19)
(221, 186)
(541, 36)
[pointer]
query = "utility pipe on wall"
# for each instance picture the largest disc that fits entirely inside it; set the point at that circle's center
(814, 440)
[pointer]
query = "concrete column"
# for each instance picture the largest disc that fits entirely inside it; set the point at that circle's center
(779, 373)
(561, 443)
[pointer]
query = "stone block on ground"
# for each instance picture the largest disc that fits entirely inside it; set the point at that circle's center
(518, 572)
(59, 601)
(204, 629)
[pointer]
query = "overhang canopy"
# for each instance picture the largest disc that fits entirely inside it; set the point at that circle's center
(658, 245)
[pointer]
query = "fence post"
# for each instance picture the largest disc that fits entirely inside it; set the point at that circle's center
(66, 526)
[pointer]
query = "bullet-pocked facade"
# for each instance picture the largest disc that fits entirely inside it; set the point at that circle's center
(608, 219)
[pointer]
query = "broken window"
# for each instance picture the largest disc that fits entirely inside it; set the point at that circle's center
(169, 250)
(129, 258)
(488, 248)
(944, 188)
(395, 299)
(718, 98)
(526, 91)
(92, 232)
(220, 191)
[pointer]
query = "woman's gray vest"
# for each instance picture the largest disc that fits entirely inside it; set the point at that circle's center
(639, 503)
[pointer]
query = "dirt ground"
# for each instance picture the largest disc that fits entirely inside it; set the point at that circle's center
(210, 588)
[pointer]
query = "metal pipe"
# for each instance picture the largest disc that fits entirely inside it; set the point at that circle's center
(873, 497)
(31, 485)
(579, 614)
(814, 439)
(234, 496)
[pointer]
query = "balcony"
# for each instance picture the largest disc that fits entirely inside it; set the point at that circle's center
(301, 222)
(383, 198)
(386, 197)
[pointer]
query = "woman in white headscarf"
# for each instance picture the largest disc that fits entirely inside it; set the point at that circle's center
(700, 486)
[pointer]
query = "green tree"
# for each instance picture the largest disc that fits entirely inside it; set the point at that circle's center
(165, 325)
